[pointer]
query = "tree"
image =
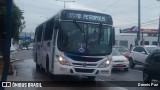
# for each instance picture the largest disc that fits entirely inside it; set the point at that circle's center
(18, 22)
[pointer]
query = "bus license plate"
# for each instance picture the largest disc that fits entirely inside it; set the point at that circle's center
(119, 64)
(104, 71)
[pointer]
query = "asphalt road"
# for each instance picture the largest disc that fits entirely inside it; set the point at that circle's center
(25, 71)
(22, 54)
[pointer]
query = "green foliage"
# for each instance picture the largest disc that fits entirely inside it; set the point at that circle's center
(18, 22)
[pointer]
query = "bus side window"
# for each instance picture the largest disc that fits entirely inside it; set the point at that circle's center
(35, 35)
(50, 33)
(56, 26)
(39, 34)
(46, 33)
(49, 30)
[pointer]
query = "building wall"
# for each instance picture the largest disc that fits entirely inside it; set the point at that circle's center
(126, 40)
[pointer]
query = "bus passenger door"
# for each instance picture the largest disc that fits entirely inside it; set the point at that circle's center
(54, 37)
(54, 44)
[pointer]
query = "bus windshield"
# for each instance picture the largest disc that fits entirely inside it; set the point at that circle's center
(84, 38)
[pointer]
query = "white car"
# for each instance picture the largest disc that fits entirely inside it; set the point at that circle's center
(30, 47)
(139, 54)
(119, 61)
(24, 48)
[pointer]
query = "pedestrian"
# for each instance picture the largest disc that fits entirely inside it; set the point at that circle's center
(131, 47)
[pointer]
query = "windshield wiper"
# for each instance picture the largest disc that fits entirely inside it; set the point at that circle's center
(78, 26)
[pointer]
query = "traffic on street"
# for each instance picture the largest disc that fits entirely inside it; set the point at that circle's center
(25, 70)
(80, 44)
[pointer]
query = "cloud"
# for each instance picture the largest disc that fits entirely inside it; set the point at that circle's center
(124, 12)
(77, 5)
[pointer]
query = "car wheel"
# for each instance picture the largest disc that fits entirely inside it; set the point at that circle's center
(146, 77)
(125, 69)
(131, 63)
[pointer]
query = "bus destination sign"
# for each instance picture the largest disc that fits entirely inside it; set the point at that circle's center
(85, 16)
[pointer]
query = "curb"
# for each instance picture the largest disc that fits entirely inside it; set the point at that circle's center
(14, 60)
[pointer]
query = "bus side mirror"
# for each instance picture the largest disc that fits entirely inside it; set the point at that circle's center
(113, 36)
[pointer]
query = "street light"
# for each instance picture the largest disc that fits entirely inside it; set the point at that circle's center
(64, 2)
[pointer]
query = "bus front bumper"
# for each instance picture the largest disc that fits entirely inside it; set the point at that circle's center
(81, 71)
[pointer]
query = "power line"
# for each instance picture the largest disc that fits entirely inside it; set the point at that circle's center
(133, 9)
(144, 23)
(111, 5)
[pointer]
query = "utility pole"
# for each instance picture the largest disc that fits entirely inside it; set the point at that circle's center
(139, 22)
(7, 42)
(64, 1)
(158, 43)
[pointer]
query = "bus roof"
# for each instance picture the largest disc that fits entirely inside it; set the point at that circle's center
(59, 14)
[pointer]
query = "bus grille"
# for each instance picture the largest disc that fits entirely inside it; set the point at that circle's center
(81, 64)
(84, 59)
(84, 70)
(118, 61)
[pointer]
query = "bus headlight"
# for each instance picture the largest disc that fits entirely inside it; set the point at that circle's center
(105, 64)
(62, 60)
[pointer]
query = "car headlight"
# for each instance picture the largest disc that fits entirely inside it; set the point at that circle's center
(62, 60)
(105, 64)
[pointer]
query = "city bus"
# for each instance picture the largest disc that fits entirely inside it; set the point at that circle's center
(75, 42)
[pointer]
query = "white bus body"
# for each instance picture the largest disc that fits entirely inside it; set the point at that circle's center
(56, 53)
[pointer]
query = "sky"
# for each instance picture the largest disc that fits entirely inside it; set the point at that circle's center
(123, 12)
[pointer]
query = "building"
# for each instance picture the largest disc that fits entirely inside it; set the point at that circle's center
(127, 36)
(128, 39)
(26, 36)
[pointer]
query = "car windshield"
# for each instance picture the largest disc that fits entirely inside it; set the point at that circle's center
(151, 49)
(84, 38)
(122, 49)
(116, 52)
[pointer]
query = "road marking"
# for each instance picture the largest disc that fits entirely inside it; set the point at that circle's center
(136, 70)
(119, 88)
